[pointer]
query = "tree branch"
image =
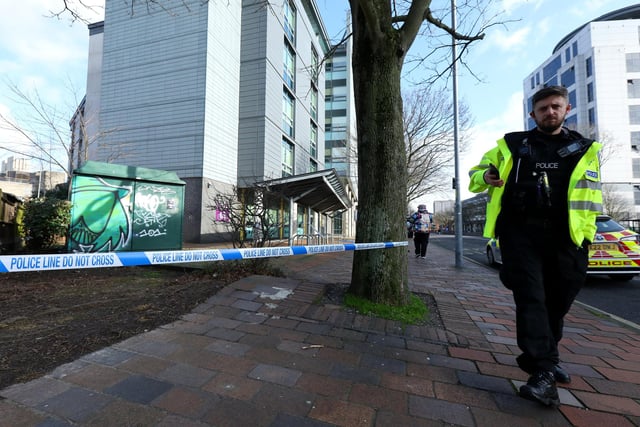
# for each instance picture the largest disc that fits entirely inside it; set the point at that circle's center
(412, 23)
(75, 11)
(428, 16)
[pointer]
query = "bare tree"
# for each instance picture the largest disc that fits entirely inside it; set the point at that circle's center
(77, 10)
(43, 131)
(609, 146)
(248, 215)
(428, 131)
(615, 204)
(445, 220)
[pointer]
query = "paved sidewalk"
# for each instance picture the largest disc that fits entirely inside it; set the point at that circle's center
(266, 352)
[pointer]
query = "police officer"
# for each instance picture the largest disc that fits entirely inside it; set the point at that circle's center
(544, 196)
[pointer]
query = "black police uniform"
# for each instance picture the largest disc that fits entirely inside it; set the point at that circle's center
(541, 264)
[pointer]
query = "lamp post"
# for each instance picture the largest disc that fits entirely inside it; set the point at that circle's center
(40, 179)
(458, 204)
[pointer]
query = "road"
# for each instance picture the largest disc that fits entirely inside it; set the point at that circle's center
(620, 299)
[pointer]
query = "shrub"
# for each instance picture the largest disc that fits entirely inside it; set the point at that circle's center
(46, 220)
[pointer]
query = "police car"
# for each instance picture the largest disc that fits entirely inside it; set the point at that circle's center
(615, 251)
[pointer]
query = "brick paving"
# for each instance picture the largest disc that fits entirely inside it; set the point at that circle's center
(267, 351)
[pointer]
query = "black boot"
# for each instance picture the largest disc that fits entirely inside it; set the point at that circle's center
(561, 375)
(541, 387)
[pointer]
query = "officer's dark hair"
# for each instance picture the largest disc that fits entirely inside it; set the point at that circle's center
(548, 91)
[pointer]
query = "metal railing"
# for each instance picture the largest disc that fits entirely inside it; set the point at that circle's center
(314, 239)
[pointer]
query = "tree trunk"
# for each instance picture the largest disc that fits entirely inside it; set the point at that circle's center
(381, 274)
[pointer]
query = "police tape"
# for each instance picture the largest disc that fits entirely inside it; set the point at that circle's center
(43, 262)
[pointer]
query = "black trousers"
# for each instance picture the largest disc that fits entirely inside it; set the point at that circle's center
(421, 241)
(545, 271)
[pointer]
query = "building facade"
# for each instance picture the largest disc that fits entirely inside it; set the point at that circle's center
(225, 94)
(16, 178)
(13, 163)
(341, 134)
(599, 64)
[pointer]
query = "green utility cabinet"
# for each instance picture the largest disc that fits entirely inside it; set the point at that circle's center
(125, 208)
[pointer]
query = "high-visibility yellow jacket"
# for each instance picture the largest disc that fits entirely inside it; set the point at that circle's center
(584, 194)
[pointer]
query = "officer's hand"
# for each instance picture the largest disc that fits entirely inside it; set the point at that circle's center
(492, 178)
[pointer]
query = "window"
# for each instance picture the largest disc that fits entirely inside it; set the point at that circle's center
(635, 166)
(327, 161)
(339, 64)
(590, 92)
(313, 165)
(550, 70)
(592, 117)
(635, 140)
(336, 82)
(532, 83)
(289, 69)
(567, 55)
(633, 62)
(314, 103)
(340, 143)
(568, 77)
(636, 196)
(339, 124)
(589, 66)
(287, 158)
(634, 114)
(336, 112)
(572, 122)
(290, 20)
(633, 88)
(336, 68)
(337, 224)
(574, 48)
(313, 141)
(341, 50)
(288, 113)
(315, 65)
(573, 101)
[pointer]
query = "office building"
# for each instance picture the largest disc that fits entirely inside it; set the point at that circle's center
(12, 163)
(341, 135)
(599, 63)
(444, 206)
(225, 94)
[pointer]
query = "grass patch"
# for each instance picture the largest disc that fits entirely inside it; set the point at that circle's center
(411, 314)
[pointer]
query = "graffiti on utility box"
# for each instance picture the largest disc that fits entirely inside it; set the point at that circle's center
(101, 215)
(123, 213)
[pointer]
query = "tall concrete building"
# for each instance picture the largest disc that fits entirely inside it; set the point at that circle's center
(224, 94)
(341, 137)
(443, 206)
(599, 63)
(12, 163)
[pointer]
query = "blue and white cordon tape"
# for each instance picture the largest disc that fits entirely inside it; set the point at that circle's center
(43, 262)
